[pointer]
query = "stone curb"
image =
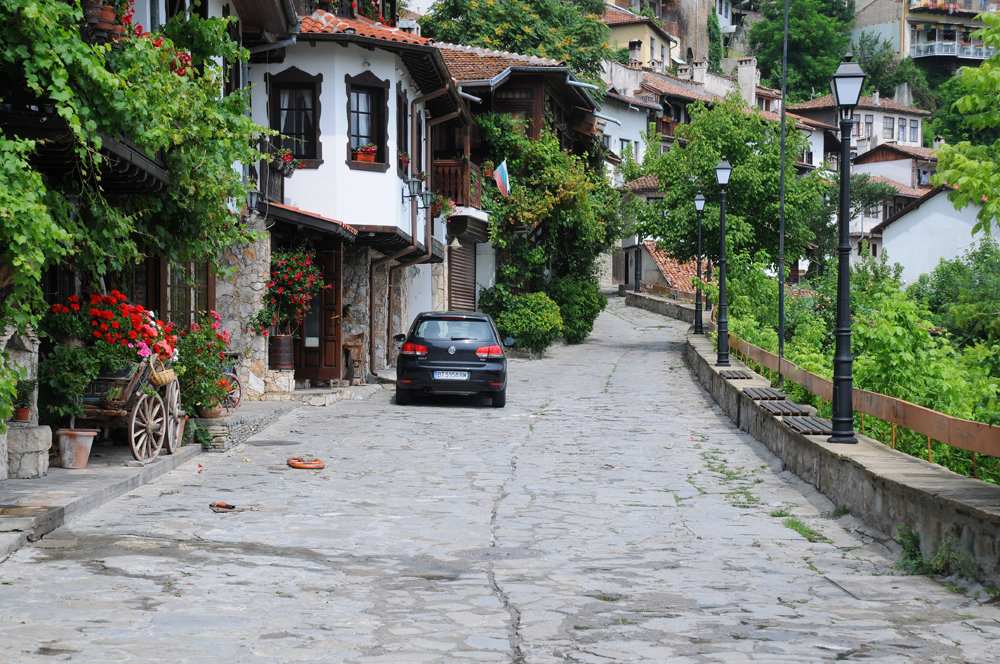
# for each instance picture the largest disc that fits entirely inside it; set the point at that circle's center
(882, 487)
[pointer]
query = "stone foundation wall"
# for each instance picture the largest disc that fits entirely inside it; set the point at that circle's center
(237, 298)
(22, 351)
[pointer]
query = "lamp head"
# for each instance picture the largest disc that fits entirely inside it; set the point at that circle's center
(846, 85)
(427, 197)
(722, 173)
(699, 202)
(253, 197)
(413, 186)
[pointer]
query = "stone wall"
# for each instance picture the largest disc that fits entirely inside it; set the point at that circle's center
(22, 352)
(237, 298)
(439, 286)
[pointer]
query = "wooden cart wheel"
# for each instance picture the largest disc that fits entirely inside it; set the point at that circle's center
(232, 400)
(147, 426)
(172, 402)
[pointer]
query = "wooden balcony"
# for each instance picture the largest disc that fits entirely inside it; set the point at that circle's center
(459, 180)
(667, 127)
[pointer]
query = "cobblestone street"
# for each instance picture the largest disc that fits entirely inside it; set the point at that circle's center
(610, 513)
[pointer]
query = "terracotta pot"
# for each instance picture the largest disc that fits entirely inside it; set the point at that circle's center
(281, 352)
(74, 446)
(21, 414)
(210, 412)
(96, 12)
(365, 156)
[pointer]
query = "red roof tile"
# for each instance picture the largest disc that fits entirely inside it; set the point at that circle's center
(677, 274)
(826, 102)
(901, 189)
(614, 94)
(645, 183)
(472, 63)
(322, 22)
(677, 87)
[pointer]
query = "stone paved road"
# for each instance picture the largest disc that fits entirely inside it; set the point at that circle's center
(610, 513)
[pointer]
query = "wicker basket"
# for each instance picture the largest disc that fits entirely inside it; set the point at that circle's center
(161, 375)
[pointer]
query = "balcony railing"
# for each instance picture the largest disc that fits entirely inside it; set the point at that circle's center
(961, 7)
(955, 49)
(459, 180)
(667, 127)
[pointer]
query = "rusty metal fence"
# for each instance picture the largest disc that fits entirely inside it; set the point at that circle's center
(975, 437)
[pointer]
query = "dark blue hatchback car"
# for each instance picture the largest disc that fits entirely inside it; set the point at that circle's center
(455, 352)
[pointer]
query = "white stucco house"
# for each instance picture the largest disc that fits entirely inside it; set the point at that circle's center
(924, 232)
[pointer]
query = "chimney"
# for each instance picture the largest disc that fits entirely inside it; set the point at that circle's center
(939, 141)
(684, 72)
(635, 52)
(747, 77)
(698, 71)
(875, 98)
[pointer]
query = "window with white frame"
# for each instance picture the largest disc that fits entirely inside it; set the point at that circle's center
(888, 125)
(914, 131)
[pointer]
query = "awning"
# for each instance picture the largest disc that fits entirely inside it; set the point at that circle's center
(305, 219)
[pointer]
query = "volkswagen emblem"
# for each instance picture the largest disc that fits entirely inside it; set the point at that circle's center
(451, 350)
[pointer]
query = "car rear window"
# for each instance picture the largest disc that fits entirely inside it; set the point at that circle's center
(454, 329)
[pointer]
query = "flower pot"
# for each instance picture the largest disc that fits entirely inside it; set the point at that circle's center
(21, 414)
(74, 446)
(365, 156)
(282, 167)
(96, 12)
(281, 352)
(210, 412)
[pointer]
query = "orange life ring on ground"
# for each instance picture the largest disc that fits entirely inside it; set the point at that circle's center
(299, 462)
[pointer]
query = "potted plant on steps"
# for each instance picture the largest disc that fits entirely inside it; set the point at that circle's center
(295, 280)
(23, 398)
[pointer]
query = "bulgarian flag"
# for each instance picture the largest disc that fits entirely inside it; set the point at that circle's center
(500, 175)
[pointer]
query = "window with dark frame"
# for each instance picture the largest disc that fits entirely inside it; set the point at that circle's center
(888, 125)
(402, 124)
(914, 131)
(367, 117)
(187, 288)
(294, 111)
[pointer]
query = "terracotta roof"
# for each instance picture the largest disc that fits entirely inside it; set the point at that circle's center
(645, 183)
(801, 120)
(671, 85)
(322, 22)
(615, 15)
(614, 94)
(472, 63)
(902, 189)
(826, 102)
(310, 218)
(677, 274)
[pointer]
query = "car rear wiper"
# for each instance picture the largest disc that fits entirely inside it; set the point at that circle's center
(461, 338)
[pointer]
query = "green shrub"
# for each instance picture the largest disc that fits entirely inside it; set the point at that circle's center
(495, 301)
(580, 301)
(533, 320)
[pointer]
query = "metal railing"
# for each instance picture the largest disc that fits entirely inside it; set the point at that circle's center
(975, 437)
(951, 48)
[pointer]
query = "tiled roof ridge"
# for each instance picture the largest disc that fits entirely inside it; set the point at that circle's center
(885, 103)
(901, 188)
(612, 92)
(644, 183)
(324, 22)
(479, 50)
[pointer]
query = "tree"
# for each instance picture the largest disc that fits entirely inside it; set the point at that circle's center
(570, 30)
(752, 145)
(952, 125)
(817, 38)
(974, 169)
(877, 58)
(865, 195)
(165, 93)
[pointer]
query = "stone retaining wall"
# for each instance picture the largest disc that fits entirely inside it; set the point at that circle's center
(229, 431)
(883, 487)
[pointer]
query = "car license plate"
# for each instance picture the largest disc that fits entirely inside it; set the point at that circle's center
(451, 375)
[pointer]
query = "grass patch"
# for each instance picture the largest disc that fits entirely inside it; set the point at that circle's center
(781, 512)
(802, 529)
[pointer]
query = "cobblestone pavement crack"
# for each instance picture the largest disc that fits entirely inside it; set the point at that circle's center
(609, 513)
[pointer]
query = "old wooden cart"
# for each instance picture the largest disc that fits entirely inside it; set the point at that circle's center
(145, 400)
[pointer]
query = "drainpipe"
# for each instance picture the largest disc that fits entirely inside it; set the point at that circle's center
(401, 252)
(428, 232)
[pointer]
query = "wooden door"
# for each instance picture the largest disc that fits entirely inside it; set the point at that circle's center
(318, 349)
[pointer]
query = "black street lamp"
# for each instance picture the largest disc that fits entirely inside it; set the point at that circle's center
(846, 86)
(638, 264)
(722, 173)
(699, 206)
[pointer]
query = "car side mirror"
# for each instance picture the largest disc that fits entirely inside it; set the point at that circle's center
(508, 341)
(399, 338)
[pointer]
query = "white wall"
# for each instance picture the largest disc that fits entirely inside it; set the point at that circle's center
(333, 190)
(897, 170)
(922, 237)
(419, 293)
(633, 124)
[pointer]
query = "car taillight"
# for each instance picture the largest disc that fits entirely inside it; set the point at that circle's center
(413, 349)
(487, 352)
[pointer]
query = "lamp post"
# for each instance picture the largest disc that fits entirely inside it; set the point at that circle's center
(722, 173)
(699, 206)
(846, 86)
(638, 265)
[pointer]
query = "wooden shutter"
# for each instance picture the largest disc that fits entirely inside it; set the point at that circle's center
(462, 277)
